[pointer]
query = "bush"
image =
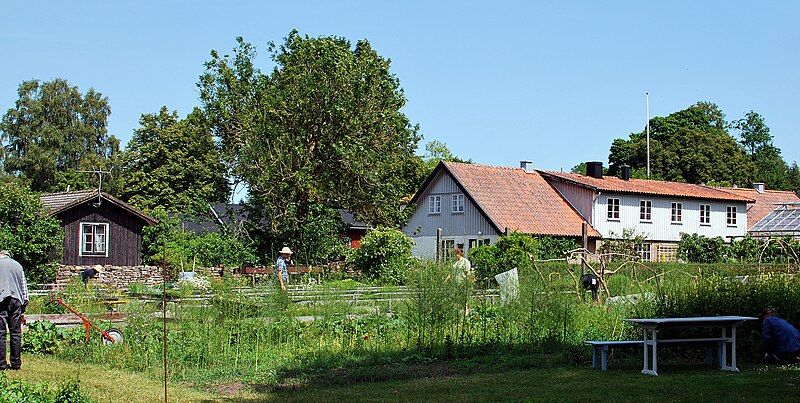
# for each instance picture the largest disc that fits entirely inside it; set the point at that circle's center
(44, 338)
(33, 238)
(484, 262)
(548, 247)
(20, 391)
(384, 256)
(696, 248)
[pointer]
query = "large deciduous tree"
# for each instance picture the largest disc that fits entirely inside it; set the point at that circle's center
(33, 238)
(174, 163)
(691, 145)
(323, 130)
(755, 137)
(53, 132)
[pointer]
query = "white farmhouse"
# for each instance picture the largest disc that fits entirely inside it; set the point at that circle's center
(658, 210)
(465, 205)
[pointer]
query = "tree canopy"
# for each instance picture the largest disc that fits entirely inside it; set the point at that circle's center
(173, 163)
(53, 132)
(323, 130)
(691, 145)
(33, 238)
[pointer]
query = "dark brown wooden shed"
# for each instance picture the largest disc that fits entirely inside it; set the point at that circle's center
(98, 228)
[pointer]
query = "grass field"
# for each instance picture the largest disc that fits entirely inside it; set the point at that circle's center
(677, 383)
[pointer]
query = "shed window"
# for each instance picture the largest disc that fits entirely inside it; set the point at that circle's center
(435, 204)
(613, 208)
(458, 203)
(645, 210)
(94, 239)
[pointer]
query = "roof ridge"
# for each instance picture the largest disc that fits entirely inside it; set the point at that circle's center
(69, 192)
(473, 164)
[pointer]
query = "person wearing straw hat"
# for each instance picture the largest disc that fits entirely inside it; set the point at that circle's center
(90, 272)
(13, 301)
(282, 266)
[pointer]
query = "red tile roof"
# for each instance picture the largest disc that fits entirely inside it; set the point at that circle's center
(765, 202)
(648, 187)
(518, 200)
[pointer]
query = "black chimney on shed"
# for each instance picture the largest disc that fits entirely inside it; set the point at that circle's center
(594, 169)
(625, 172)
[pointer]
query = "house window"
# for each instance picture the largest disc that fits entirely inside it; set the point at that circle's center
(434, 204)
(613, 208)
(448, 245)
(94, 239)
(705, 214)
(643, 250)
(645, 210)
(731, 216)
(473, 243)
(667, 253)
(484, 242)
(458, 203)
(677, 212)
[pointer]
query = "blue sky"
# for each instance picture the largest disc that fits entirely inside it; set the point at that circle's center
(553, 82)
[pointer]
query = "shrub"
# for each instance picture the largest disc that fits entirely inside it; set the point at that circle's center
(384, 256)
(21, 391)
(696, 248)
(548, 247)
(43, 338)
(484, 262)
(33, 238)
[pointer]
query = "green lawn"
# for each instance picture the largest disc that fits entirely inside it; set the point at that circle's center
(677, 383)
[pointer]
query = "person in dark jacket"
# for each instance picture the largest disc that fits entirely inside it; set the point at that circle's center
(13, 300)
(90, 272)
(781, 339)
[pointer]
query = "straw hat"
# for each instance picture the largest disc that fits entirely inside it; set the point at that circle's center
(285, 251)
(98, 268)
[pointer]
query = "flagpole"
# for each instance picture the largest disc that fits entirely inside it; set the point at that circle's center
(647, 101)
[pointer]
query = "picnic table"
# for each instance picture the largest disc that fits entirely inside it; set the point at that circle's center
(728, 324)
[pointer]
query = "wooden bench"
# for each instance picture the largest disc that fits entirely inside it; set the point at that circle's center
(602, 346)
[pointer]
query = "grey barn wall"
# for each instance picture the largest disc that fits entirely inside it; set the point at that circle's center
(470, 222)
(581, 198)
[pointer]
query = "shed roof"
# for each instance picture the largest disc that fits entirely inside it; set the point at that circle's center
(647, 187)
(57, 202)
(513, 199)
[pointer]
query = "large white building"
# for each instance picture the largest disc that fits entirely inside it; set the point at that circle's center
(659, 211)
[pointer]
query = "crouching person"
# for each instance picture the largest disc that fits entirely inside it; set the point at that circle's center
(781, 339)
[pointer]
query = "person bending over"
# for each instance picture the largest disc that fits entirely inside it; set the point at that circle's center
(781, 339)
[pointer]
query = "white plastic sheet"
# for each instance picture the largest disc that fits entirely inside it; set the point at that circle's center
(509, 284)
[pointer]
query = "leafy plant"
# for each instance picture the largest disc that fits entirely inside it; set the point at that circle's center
(43, 337)
(384, 256)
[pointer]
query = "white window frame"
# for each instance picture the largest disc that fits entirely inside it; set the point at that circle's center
(731, 218)
(435, 204)
(458, 203)
(612, 208)
(81, 243)
(676, 212)
(705, 214)
(645, 251)
(646, 215)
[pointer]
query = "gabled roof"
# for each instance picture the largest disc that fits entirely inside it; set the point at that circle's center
(647, 187)
(513, 199)
(57, 202)
(764, 203)
(218, 215)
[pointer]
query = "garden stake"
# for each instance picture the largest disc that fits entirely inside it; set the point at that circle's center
(164, 311)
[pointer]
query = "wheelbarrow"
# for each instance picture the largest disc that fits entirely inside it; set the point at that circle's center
(110, 336)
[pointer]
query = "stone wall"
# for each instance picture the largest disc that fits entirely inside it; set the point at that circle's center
(122, 276)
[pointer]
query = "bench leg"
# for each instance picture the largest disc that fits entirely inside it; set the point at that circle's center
(603, 359)
(594, 357)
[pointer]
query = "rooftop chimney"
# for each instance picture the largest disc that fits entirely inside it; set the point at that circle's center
(625, 172)
(594, 169)
(526, 165)
(760, 187)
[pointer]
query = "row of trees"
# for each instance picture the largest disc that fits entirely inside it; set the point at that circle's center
(320, 131)
(697, 145)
